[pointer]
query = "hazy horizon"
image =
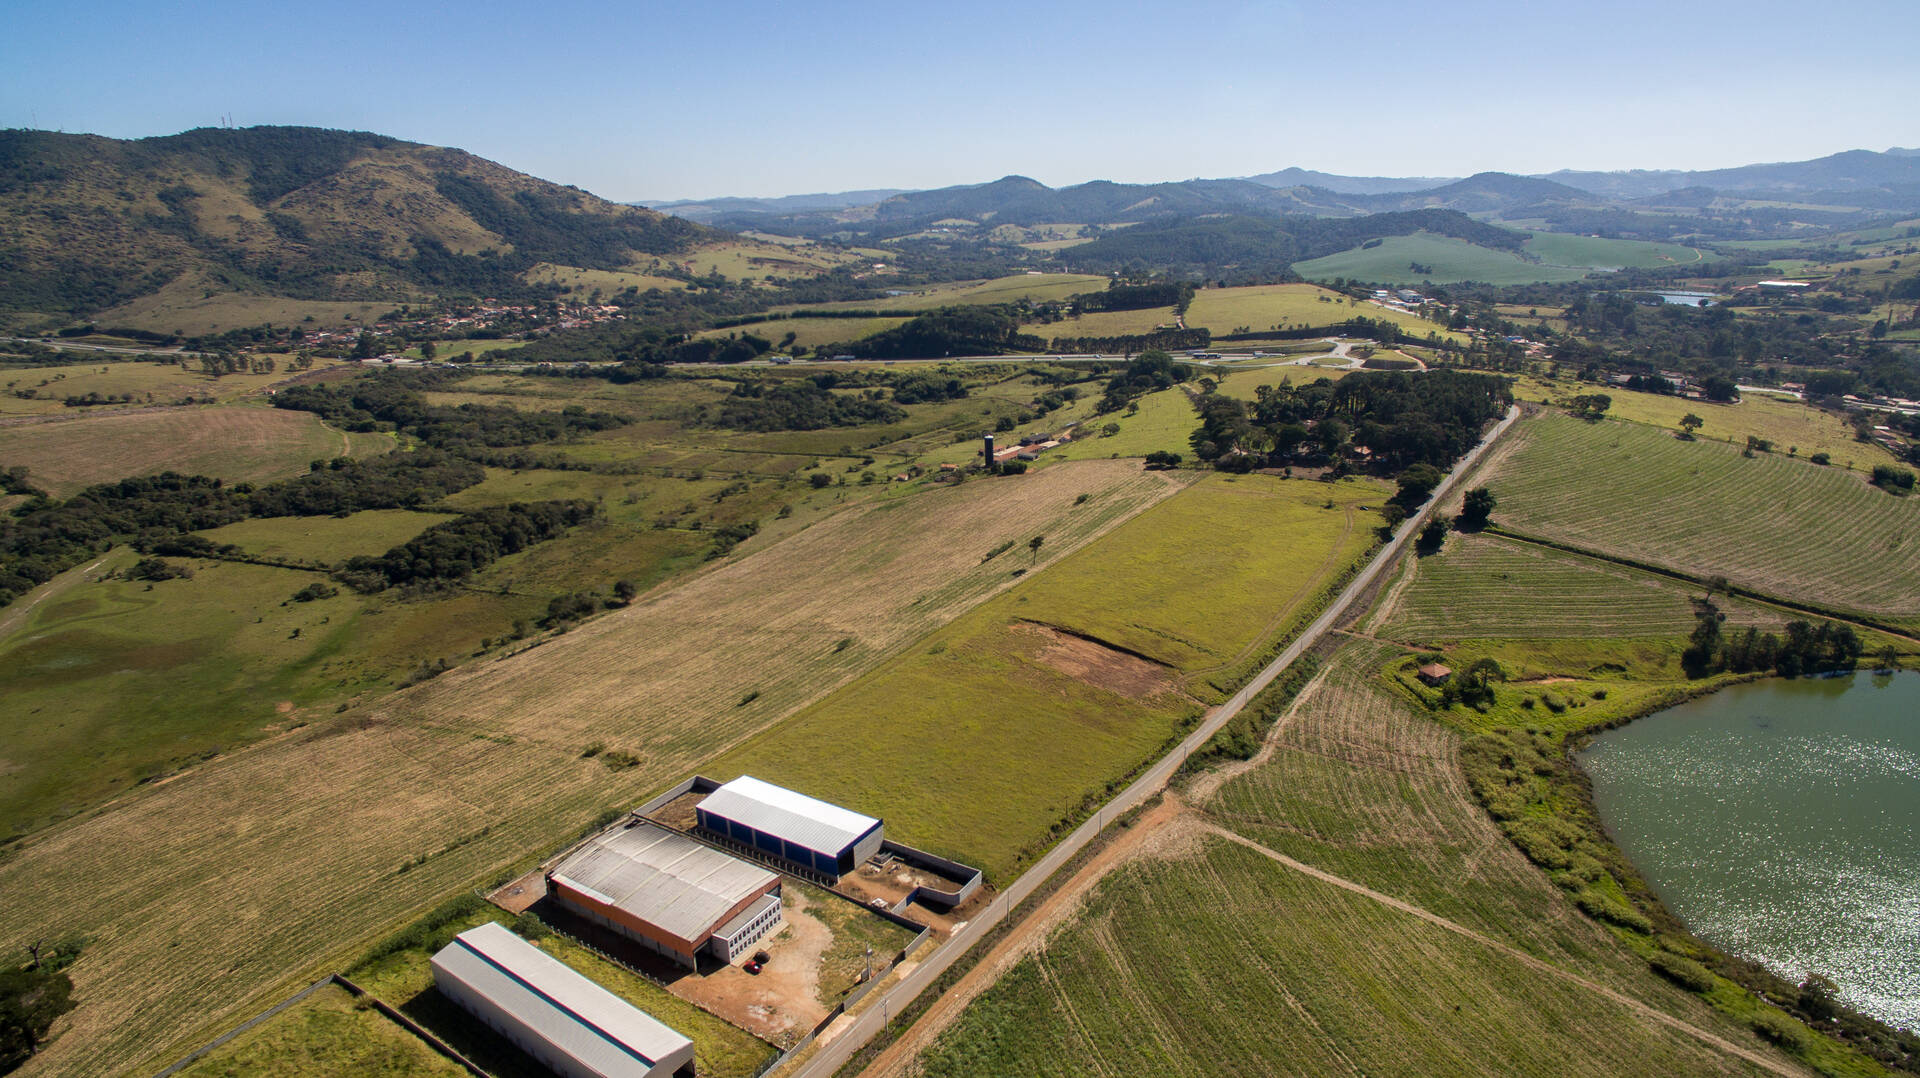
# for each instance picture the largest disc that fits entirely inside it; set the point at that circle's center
(752, 100)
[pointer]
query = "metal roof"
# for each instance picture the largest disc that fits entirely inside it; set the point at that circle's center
(664, 878)
(776, 810)
(591, 1025)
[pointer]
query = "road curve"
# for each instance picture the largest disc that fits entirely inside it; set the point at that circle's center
(832, 1055)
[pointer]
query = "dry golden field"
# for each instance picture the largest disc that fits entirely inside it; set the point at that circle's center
(237, 444)
(210, 895)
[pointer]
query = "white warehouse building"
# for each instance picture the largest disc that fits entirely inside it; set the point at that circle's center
(812, 835)
(568, 1023)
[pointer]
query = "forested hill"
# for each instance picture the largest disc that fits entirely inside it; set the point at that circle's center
(92, 221)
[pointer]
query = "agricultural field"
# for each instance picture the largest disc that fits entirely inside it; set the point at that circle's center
(1270, 306)
(329, 1032)
(238, 444)
(1010, 289)
(1163, 423)
(1406, 936)
(1222, 962)
(1592, 252)
(1485, 586)
(810, 333)
(1452, 261)
(42, 391)
(326, 540)
(1104, 324)
(1072, 679)
(462, 778)
(1794, 428)
(1245, 383)
(1767, 522)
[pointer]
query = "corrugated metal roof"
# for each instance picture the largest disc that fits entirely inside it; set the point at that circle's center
(576, 1016)
(664, 878)
(776, 810)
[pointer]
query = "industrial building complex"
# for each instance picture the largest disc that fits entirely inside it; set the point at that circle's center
(568, 1023)
(808, 835)
(667, 892)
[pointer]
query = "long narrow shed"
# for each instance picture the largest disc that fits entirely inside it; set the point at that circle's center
(806, 832)
(549, 1010)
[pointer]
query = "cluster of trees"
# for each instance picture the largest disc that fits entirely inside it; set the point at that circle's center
(1401, 419)
(1157, 341)
(1122, 296)
(43, 537)
(949, 331)
(800, 404)
(1894, 480)
(1807, 648)
(32, 996)
(1145, 373)
(394, 401)
(459, 548)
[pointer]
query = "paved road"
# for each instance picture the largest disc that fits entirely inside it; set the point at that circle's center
(77, 345)
(849, 1039)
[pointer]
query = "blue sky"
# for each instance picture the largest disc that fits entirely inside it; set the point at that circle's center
(657, 100)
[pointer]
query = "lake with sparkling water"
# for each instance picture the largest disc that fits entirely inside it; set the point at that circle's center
(1780, 820)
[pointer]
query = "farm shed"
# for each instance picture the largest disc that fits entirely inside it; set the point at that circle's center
(1434, 673)
(818, 838)
(550, 1011)
(668, 893)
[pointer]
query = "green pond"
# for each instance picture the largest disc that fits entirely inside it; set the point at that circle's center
(1780, 820)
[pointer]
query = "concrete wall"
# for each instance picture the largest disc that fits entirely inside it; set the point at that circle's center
(968, 876)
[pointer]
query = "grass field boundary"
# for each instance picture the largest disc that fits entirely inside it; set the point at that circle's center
(411, 1026)
(1738, 591)
(357, 992)
(190, 1058)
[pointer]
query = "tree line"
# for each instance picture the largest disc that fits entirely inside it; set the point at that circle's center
(44, 537)
(395, 401)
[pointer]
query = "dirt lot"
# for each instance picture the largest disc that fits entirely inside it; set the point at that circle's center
(869, 883)
(1097, 664)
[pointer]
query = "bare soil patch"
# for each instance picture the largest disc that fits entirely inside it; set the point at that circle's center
(1097, 664)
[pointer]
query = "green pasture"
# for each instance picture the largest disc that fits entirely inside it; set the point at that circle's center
(1280, 306)
(1164, 421)
(1767, 522)
(1009, 289)
(326, 540)
(329, 1032)
(1794, 428)
(810, 333)
(1452, 261)
(978, 745)
(1593, 252)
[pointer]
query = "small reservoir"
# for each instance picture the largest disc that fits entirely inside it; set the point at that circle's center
(1780, 820)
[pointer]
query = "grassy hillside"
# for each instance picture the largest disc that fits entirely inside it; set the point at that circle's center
(1447, 261)
(1766, 522)
(95, 222)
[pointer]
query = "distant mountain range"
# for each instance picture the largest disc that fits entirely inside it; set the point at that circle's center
(90, 222)
(1854, 180)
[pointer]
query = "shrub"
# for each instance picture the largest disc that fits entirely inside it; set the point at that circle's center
(529, 926)
(319, 589)
(820, 480)
(1682, 971)
(1776, 1028)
